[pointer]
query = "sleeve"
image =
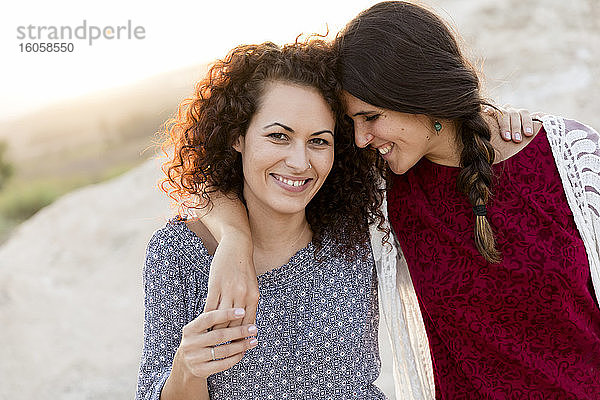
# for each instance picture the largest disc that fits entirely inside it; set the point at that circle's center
(576, 151)
(164, 315)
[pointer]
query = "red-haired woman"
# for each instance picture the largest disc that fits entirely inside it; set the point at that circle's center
(266, 126)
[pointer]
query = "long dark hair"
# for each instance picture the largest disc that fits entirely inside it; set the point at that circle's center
(402, 57)
(198, 140)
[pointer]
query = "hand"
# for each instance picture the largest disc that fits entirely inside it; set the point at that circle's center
(513, 123)
(194, 357)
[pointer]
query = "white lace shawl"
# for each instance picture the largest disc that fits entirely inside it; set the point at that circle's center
(577, 155)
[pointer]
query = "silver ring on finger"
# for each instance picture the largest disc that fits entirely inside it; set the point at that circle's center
(212, 352)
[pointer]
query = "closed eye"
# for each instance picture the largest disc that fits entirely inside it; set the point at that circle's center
(372, 117)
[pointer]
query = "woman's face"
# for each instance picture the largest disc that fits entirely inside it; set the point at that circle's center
(287, 151)
(401, 139)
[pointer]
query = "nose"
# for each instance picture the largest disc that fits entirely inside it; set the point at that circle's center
(298, 159)
(361, 137)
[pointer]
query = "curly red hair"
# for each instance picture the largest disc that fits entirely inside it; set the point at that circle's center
(200, 138)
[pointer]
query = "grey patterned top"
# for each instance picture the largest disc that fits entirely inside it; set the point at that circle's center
(317, 323)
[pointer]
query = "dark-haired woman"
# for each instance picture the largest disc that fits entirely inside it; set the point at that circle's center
(501, 241)
(495, 292)
(262, 127)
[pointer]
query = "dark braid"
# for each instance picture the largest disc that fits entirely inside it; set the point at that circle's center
(475, 178)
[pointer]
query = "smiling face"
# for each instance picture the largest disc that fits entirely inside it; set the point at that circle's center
(287, 151)
(401, 139)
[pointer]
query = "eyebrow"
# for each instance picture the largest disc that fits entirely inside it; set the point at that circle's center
(321, 132)
(287, 128)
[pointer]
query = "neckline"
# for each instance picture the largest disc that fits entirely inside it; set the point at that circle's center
(275, 277)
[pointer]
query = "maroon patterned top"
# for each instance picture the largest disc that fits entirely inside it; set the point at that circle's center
(527, 328)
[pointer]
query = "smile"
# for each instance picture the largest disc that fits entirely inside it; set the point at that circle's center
(292, 183)
(289, 181)
(383, 150)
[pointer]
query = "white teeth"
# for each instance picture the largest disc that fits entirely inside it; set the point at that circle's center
(289, 181)
(385, 150)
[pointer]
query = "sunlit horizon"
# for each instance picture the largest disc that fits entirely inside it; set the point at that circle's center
(179, 36)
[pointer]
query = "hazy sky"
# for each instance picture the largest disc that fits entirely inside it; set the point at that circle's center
(177, 34)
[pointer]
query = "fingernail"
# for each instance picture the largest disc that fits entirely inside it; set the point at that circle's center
(252, 329)
(239, 312)
(528, 130)
(253, 342)
(517, 136)
(507, 135)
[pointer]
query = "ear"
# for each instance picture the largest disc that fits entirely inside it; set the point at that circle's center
(238, 144)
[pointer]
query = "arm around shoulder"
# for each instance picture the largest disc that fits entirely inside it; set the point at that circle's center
(232, 281)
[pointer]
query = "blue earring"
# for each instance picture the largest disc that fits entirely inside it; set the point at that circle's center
(437, 126)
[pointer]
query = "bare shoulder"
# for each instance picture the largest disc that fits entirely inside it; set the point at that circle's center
(505, 150)
(196, 226)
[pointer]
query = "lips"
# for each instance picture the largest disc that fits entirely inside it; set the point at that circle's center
(383, 150)
(292, 184)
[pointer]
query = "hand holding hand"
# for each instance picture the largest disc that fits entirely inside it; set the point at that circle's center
(202, 352)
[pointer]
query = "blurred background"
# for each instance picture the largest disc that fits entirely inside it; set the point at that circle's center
(78, 168)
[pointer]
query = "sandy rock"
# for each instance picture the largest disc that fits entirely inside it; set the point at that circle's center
(71, 294)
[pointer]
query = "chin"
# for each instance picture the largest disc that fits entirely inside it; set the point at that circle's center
(398, 169)
(287, 208)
